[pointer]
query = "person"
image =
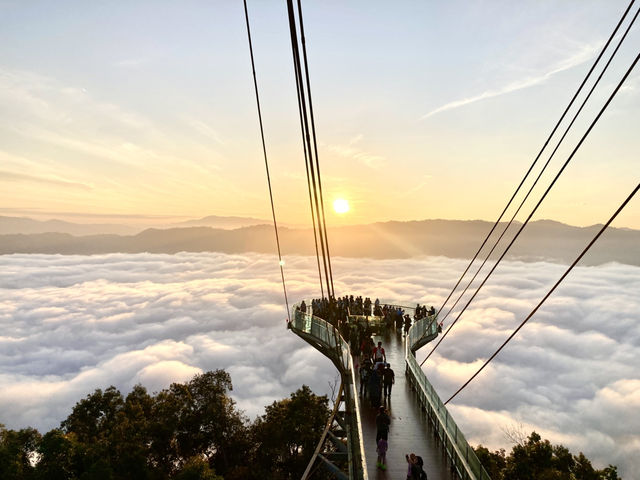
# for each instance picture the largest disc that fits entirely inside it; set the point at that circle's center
(378, 354)
(415, 470)
(411, 460)
(365, 372)
(375, 387)
(418, 469)
(382, 424)
(407, 324)
(383, 445)
(388, 379)
(354, 346)
(365, 348)
(303, 307)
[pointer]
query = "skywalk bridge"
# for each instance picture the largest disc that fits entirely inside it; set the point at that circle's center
(420, 422)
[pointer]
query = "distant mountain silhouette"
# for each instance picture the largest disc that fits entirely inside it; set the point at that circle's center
(14, 225)
(216, 221)
(541, 240)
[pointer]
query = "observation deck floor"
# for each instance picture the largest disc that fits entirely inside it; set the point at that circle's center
(410, 429)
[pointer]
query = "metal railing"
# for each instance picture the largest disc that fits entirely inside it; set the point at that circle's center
(462, 456)
(326, 338)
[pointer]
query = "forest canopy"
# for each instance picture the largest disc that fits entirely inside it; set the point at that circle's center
(194, 431)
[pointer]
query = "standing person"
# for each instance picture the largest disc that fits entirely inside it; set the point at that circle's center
(414, 469)
(422, 475)
(407, 324)
(365, 347)
(411, 460)
(354, 346)
(382, 424)
(388, 379)
(375, 387)
(378, 354)
(365, 371)
(383, 445)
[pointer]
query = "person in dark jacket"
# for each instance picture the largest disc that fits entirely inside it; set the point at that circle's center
(375, 387)
(388, 379)
(382, 424)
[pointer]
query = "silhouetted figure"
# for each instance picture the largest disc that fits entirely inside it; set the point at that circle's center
(388, 379)
(407, 324)
(379, 354)
(375, 387)
(382, 424)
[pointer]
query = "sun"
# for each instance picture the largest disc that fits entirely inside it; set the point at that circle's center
(340, 205)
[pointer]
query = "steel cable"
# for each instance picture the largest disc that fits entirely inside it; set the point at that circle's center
(538, 204)
(584, 102)
(624, 204)
(538, 156)
(266, 162)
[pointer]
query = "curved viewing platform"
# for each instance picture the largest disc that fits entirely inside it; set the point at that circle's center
(420, 423)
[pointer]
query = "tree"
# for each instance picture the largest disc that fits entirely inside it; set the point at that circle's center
(196, 468)
(91, 426)
(493, 462)
(562, 461)
(18, 453)
(609, 473)
(537, 459)
(583, 470)
(530, 460)
(56, 457)
(287, 435)
(196, 419)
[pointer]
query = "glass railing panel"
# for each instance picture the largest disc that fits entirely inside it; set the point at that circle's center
(469, 460)
(328, 334)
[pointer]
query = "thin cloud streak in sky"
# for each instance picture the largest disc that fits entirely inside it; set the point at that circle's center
(585, 54)
(12, 176)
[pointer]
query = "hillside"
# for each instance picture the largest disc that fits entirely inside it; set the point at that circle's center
(541, 240)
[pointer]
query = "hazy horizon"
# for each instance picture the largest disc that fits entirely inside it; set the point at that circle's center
(150, 221)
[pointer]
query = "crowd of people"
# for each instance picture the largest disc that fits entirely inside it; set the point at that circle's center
(376, 375)
(337, 311)
(350, 315)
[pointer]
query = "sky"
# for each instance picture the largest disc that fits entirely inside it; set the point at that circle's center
(145, 111)
(71, 324)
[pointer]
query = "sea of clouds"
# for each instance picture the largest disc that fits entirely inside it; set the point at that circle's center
(71, 324)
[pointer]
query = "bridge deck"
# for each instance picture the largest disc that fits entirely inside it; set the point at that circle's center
(410, 430)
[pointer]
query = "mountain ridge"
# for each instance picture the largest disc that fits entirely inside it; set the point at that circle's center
(540, 240)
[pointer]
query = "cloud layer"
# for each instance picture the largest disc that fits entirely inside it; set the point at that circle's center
(70, 324)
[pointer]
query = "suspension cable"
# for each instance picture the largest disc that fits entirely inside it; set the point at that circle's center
(304, 115)
(624, 204)
(315, 143)
(584, 102)
(306, 166)
(538, 204)
(539, 154)
(266, 162)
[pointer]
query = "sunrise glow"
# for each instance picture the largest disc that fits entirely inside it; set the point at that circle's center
(340, 205)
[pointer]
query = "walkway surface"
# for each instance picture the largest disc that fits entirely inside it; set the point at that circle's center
(410, 430)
